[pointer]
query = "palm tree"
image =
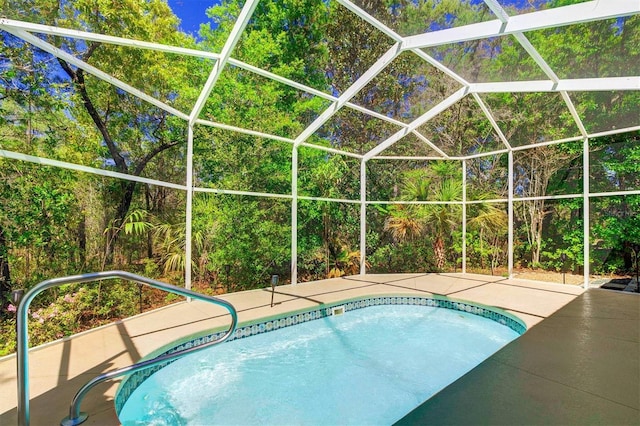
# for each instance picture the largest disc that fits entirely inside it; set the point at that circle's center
(490, 220)
(403, 223)
(441, 219)
(440, 183)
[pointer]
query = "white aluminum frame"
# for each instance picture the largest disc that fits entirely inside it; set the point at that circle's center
(517, 26)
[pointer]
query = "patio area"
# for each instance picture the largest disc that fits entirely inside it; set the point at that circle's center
(580, 366)
(59, 369)
(317, 139)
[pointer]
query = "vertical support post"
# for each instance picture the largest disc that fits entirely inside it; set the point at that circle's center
(189, 210)
(586, 214)
(464, 216)
(274, 283)
(363, 217)
(510, 210)
(294, 215)
(22, 360)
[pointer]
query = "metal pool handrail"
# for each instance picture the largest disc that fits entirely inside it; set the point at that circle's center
(22, 348)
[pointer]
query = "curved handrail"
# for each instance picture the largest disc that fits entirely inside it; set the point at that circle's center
(22, 332)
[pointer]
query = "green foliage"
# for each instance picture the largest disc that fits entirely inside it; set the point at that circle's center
(77, 309)
(134, 223)
(41, 242)
(55, 222)
(8, 340)
(250, 236)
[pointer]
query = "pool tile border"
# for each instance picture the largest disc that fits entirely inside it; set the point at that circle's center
(131, 382)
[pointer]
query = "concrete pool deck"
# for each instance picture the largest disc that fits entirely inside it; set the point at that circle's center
(580, 366)
(59, 369)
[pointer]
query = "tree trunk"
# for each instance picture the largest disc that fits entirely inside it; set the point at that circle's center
(538, 166)
(537, 220)
(494, 254)
(147, 199)
(439, 253)
(326, 232)
(481, 248)
(82, 239)
(126, 197)
(5, 276)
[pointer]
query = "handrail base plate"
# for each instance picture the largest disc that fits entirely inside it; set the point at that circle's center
(68, 421)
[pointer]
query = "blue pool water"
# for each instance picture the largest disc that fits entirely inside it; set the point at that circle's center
(368, 366)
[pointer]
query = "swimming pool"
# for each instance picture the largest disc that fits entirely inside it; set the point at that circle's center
(369, 366)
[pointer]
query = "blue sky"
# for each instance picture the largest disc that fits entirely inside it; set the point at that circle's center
(191, 13)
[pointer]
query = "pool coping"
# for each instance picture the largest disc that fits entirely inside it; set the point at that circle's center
(241, 325)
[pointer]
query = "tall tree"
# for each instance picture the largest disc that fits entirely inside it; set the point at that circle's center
(132, 132)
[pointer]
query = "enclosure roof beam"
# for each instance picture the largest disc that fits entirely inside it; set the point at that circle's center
(497, 10)
(481, 154)
(232, 40)
(364, 15)
(101, 38)
(614, 132)
(364, 79)
(311, 91)
(547, 143)
(599, 84)
(574, 113)
(242, 130)
(556, 17)
(406, 158)
(422, 54)
(59, 53)
(603, 84)
(538, 59)
(268, 136)
(455, 97)
(429, 143)
(533, 52)
(120, 41)
(492, 120)
(331, 150)
(504, 17)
